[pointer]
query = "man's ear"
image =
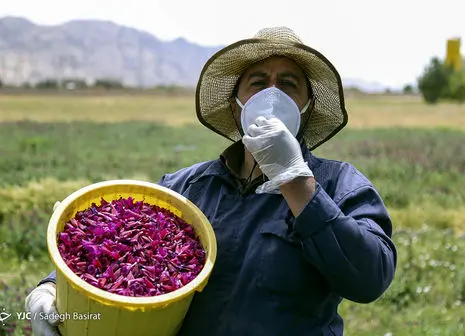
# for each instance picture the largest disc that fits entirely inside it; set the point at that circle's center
(233, 105)
(235, 112)
(235, 108)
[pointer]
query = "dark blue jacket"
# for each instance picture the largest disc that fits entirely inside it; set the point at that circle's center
(279, 275)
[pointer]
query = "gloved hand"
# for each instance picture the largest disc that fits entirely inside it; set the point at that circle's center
(277, 152)
(40, 303)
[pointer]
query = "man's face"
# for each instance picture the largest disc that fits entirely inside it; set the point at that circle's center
(281, 72)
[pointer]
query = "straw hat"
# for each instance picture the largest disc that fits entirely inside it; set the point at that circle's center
(221, 72)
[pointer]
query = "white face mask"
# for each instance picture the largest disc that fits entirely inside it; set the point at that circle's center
(271, 102)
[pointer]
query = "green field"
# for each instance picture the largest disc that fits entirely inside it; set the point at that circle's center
(413, 153)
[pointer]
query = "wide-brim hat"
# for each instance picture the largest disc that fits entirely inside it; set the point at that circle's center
(222, 71)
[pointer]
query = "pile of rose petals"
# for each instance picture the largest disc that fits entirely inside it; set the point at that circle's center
(131, 248)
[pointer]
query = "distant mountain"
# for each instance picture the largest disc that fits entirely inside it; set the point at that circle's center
(92, 49)
(95, 49)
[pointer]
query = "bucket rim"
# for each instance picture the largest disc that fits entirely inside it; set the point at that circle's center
(128, 302)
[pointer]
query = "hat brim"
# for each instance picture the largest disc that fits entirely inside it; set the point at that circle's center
(221, 72)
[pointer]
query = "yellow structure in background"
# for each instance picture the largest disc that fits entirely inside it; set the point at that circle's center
(453, 54)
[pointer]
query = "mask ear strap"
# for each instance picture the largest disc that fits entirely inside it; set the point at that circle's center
(311, 106)
(306, 106)
(239, 128)
(239, 103)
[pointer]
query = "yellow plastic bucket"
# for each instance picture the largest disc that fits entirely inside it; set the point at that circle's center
(88, 310)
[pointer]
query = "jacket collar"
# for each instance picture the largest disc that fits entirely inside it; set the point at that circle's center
(228, 165)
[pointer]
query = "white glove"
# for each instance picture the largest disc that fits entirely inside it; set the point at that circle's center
(277, 152)
(41, 304)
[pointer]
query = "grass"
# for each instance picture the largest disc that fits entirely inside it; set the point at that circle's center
(417, 167)
(403, 111)
(74, 150)
(365, 111)
(106, 109)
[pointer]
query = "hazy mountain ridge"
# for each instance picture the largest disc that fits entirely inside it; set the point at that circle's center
(95, 49)
(91, 49)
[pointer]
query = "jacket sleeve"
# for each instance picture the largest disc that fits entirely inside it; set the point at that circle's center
(52, 277)
(349, 242)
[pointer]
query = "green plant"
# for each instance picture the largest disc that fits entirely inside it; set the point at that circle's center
(434, 82)
(440, 81)
(427, 295)
(47, 84)
(108, 84)
(24, 233)
(408, 89)
(457, 86)
(12, 298)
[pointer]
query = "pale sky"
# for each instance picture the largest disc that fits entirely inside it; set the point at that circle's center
(384, 41)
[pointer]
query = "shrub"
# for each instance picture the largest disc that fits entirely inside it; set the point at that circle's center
(442, 82)
(408, 89)
(457, 86)
(434, 82)
(47, 84)
(108, 84)
(12, 298)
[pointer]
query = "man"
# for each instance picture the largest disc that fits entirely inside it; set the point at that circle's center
(296, 234)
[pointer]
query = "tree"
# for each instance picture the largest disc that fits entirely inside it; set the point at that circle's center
(408, 89)
(434, 83)
(108, 83)
(456, 89)
(47, 84)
